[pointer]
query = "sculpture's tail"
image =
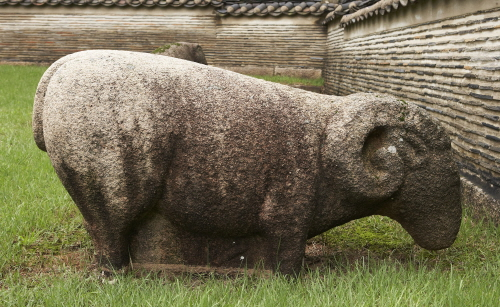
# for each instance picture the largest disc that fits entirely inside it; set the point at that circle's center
(39, 103)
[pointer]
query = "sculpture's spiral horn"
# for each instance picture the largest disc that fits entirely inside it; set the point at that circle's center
(364, 148)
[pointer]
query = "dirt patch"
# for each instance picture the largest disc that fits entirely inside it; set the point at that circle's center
(317, 256)
(81, 260)
(172, 270)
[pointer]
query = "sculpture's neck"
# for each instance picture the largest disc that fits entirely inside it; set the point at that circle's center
(330, 213)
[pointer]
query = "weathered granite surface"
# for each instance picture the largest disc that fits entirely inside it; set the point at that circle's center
(173, 161)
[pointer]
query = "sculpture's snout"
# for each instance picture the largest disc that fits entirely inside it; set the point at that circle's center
(428, 205)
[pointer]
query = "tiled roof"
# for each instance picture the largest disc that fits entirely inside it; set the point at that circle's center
(350, 10)
(274, 8)
(134, 3)
(365, 10)
(222, 7)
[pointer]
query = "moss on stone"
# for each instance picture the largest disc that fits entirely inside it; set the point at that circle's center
(165, 47)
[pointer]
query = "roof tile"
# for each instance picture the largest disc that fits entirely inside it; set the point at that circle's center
(368, 9)
(350, 10)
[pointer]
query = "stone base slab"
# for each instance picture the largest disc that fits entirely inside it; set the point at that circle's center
(482, 205)
(308, 73)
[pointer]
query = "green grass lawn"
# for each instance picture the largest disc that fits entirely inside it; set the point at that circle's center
(45, 254)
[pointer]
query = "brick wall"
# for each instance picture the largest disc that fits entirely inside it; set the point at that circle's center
(44, 34)
(451, 67)
(38, 35)
(268, 47)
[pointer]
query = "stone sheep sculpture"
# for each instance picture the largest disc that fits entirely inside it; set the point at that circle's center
(237, 168)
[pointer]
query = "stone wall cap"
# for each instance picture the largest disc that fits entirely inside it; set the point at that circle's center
(222, 7)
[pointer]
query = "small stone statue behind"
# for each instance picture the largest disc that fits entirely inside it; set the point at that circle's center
(174, 161)
(186, 51)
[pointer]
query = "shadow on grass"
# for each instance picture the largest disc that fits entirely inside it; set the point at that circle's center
(371, 240)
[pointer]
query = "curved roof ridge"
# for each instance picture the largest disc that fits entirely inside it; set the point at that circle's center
(379, 7)
(133, 3)
(275, 8)
(351, 10)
